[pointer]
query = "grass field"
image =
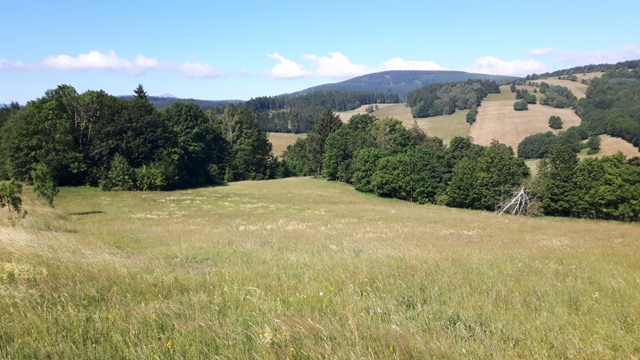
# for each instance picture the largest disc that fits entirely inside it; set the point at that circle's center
(280, 141)
(305, 268)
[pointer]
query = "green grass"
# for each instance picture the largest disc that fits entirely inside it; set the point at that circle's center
(304, 268)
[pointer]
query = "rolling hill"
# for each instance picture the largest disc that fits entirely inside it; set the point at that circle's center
(400, 82)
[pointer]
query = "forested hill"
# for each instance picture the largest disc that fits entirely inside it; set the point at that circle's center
(625, 65)
(400, 82)
(160, 102)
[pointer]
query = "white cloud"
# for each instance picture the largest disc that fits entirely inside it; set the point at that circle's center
(542, 51)
(495, 66)
(337, 66)
(96, 60)
(286, 68)
(397, 63)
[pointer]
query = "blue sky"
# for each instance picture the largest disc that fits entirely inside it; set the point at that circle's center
(219, 50)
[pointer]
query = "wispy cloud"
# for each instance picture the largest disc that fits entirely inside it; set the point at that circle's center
(542, 51)
(495, 66)
(339, 66)
(577, 58)
(96, 60)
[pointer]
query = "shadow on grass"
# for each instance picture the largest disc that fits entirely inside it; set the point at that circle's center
(88, 212)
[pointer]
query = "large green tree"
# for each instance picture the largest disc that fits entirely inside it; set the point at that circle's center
(329, 122)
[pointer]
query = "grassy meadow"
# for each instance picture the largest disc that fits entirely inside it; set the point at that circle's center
(303, 268)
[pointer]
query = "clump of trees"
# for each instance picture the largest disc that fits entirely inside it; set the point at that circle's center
(555, 122)
(97, 139)
(536, 146)
(444, 98)
(520, 105)
(557, 96)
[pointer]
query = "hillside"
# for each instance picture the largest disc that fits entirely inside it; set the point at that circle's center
(309, 268)
(400, 82)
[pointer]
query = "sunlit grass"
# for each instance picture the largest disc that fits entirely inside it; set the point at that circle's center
(304, 268)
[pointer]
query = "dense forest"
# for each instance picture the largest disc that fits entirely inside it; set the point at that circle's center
(160, 102)
(299, 114)
(100, 140)
(444, 98)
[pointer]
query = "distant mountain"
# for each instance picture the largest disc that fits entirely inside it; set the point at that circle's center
(160, 102)
(167, 95)
(400, 82)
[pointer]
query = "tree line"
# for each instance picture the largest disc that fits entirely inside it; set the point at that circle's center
(444, 98)
(299, 114)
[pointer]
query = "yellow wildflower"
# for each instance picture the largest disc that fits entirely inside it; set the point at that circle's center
(169, 344)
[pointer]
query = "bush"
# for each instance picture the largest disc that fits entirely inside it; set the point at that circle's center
(555, 122)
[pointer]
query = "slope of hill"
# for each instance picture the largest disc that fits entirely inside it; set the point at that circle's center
(400, 82)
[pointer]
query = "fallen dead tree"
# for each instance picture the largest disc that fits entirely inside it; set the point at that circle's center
(517, 205)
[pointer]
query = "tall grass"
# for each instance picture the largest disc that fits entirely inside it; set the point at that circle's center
(303, 268)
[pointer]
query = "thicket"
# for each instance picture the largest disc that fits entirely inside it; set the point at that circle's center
(444, 98)
(555, 122)
(97, 139)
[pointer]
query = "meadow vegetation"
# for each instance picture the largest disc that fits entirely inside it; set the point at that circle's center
(304, 268)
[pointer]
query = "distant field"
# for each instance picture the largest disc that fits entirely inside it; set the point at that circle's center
(280, 141)
(346, 115)
(611, 145)
(577, 88)
(497, 120)
(444, 127)
(304, 268)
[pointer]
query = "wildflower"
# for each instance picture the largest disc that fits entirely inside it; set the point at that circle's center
(169, 344)
(154, 316)
(292, 351)
(110, 316)
(391, 348)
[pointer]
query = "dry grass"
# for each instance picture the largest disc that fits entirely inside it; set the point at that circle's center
(304, 268)
(280, 141)
(577, 88)
(346, 115)
(497, 120)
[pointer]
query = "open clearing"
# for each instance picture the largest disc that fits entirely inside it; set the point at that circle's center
(280, 141)
(305, 268)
